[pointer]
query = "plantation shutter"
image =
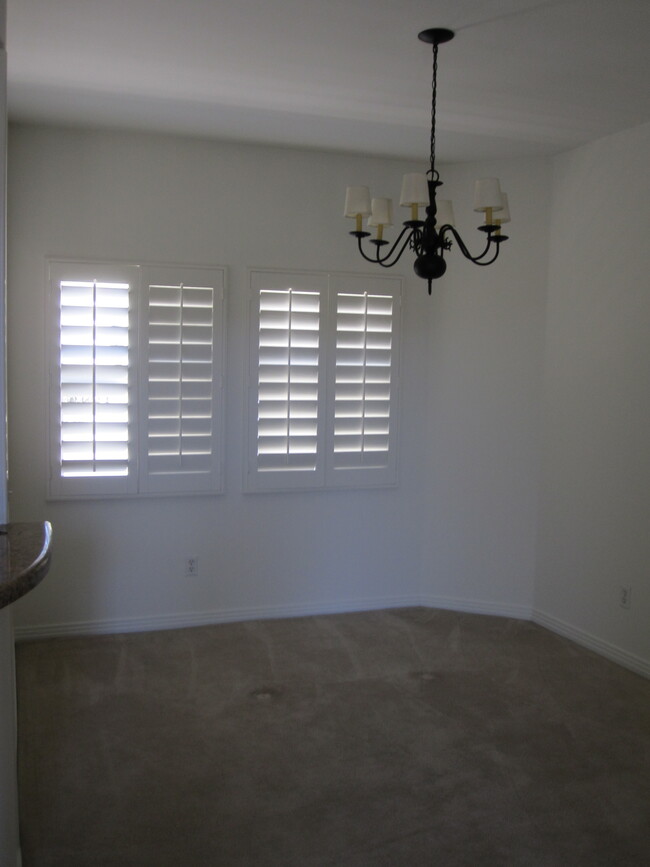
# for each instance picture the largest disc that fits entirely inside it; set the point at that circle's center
(323, 381)
(91, 446)
(363, 380)
(182, 380)
(286, 447)
(136, 379)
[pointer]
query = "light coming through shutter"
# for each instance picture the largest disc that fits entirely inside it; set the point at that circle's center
(94, 378)
(288, 379)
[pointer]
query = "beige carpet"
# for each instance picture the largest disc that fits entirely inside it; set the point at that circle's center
(406, 737)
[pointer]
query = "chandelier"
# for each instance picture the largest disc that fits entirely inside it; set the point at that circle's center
(432, 237)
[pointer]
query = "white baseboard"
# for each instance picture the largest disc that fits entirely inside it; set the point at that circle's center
(478, 606)
(206, 618)
(268, 612)
(592, 642)
(234, 615)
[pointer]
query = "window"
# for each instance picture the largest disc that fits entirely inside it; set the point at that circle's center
(136, 379)
(323, 380)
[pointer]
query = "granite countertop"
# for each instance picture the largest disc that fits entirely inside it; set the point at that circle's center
(25, 554)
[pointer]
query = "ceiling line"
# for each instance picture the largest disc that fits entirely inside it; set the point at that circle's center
(513, 14)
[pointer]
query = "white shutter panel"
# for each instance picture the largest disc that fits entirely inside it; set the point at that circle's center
(288, 375)
(91, 417)
(182, 380)
(287, 368)
(363, 380)
(323, 381)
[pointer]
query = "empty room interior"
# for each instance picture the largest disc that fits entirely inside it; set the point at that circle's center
(350, 561)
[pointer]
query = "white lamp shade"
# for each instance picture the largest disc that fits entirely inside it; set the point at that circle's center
(487, 194)
(415, 190)
(357, 201)
(503, 216)
(381, 213)
(444, 213)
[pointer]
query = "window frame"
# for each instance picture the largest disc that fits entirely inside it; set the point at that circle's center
(138, 482)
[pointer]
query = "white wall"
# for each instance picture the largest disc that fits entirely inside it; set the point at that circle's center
(483, 423)
(595, 493)
(461, 528)
(140, 197)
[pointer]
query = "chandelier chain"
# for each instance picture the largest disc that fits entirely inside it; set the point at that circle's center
(434, 90)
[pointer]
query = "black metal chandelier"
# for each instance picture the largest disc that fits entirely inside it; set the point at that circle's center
(432, 237)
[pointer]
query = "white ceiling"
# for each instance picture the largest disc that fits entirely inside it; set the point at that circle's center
(522, 77)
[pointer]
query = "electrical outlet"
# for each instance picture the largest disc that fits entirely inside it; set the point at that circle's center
(191, 567)
(625, 596)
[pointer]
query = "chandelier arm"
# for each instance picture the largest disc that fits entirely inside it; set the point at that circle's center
(385, 258)
(382, 260)
(367, 258)
(463, 248)
(478, 259)
(409, 240)
(489, 261)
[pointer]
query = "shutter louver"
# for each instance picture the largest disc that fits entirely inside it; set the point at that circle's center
(288, 380)
(94, 378)
(363, 380)
(180, 380)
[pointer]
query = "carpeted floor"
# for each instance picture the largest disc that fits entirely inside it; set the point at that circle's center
(408, 737)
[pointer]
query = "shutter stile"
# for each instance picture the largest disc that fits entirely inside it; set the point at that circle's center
(94, 378)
